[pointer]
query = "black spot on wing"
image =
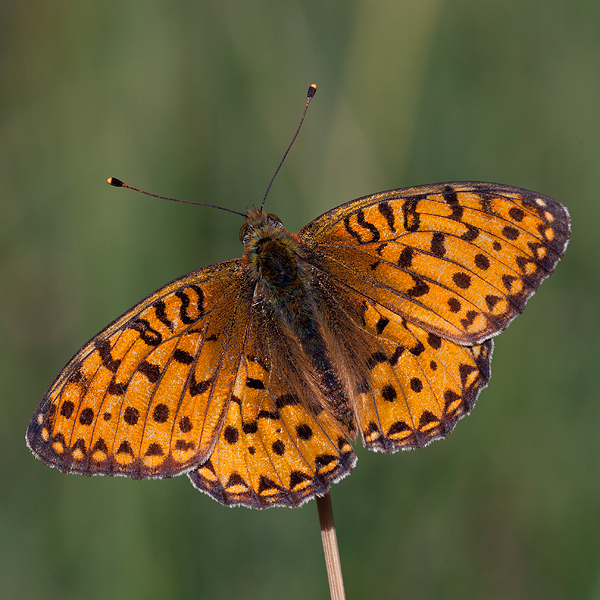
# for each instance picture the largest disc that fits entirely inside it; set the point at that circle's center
(198, 387)
(116, 388)
(183, 357)
(255, 384)
(412, 220)
(419, 289)
(183, 296)
(66, 409)
(160, 414)
(437, 244)
(131, 415)
(451, 198)
(149, 335)
(86, 417)
(406, 257)
(360, 217)
(387, 212)
(381, 324)
(106, 357)
(152, 372)
(161, 314)
(471, 233)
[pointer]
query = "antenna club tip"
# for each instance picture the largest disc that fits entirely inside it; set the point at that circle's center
(312, 90)
(114, 181)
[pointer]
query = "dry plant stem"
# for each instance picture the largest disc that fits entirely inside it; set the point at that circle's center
(330, 547)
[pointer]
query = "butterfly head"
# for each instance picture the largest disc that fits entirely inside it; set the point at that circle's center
(258, 224)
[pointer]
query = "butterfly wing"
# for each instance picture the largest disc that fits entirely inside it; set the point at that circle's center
(274, 449)
(460, 259)
(417, 385)
(194, 371)
(147, 396)
(434, 272)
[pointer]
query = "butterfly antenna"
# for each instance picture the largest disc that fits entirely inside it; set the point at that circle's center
(118, 183)
(309, 96)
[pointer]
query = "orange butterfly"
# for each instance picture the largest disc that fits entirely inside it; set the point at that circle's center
(254, 375)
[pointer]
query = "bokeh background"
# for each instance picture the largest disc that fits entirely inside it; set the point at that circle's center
(198, 99)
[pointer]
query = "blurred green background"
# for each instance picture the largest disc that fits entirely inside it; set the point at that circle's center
(198, 99)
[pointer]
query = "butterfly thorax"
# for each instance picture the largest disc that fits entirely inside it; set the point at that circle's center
(285, 283)
(272, 253)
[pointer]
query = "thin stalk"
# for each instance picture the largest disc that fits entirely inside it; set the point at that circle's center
(330, 547)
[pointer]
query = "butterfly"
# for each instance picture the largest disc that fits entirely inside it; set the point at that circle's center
(255, 375)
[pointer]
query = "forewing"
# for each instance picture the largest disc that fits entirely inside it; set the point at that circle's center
(147, 396)
(460, 259)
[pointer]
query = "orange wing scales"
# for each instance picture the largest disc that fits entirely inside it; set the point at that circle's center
(253, 376)
(283, 457)
(272, 450)
(148, 395)
(419, 384)
(459, 259)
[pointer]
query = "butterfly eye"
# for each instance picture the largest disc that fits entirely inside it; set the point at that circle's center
(243, 232)
(274, 218)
